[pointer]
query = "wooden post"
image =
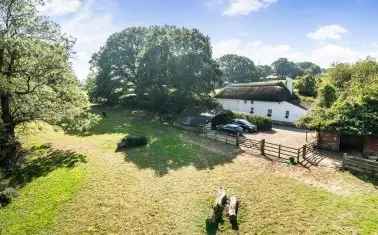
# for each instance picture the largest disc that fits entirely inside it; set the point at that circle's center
(298, 155)
(237, 139)
(233, 211)
(262, 147)
(279, 151)
(304, 151)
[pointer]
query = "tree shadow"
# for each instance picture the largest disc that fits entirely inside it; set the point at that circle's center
(170, 151)
(212, 228)
(44, 160)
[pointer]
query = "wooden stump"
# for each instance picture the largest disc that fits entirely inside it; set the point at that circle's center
(233, 211)
(219, 204)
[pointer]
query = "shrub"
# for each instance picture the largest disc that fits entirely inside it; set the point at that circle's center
(222, 119)
(262, 123)
(132, 141)
(6, 196)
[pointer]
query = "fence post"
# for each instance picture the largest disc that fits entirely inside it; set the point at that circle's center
(279, 151)
(304, 151)
(237, 139)
(298, 155)
(262, 147)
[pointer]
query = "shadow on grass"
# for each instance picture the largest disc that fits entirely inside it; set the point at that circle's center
(171, 151)
(44, 160)
(212, 228)
(366, 178)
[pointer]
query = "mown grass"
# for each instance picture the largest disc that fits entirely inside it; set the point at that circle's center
(45, 183)
(168, 187)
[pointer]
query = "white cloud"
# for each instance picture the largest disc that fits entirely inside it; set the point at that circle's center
(259, 52)
(244, 7)
(328, 54)
(91, 26)
(264, 53)
(60, 7)
(334, 32)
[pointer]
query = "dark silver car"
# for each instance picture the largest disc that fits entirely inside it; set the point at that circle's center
(246, 125)
(232, 129)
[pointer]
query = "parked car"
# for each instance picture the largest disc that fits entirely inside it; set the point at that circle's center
(246, 125)
(232, 129)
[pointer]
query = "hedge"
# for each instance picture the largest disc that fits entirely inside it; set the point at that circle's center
(222, 119)
(262, 123)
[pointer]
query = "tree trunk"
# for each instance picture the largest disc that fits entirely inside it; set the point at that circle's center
(8, 143)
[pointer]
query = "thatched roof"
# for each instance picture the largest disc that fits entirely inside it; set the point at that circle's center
(275, 91)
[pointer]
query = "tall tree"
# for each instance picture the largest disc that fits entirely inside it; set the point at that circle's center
(285, 68)
(264, 71)
(309, 68)
(238, 69)
(167, 68)
(306, 85)
(36, 80)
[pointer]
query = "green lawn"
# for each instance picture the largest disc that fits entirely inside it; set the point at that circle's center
(168, 187)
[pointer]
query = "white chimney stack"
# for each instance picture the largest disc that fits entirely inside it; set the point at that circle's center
(289, 84)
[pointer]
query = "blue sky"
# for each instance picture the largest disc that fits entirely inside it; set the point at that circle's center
(320, 31)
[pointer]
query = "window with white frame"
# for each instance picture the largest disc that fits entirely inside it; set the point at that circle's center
(270, 112)
(287, 114)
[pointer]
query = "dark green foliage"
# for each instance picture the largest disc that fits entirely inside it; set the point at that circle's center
(36, 77)
(285, 68)
(222, 119)
(264, 71)
(262, 123)
(132, 142)
(237, 69)
(7, 195)
(306, 85)
(327, 95)
(165, 69)
(348, 100)
(309, 68)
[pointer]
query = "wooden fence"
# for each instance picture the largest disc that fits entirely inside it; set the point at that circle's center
(361, 166)
(306, 155)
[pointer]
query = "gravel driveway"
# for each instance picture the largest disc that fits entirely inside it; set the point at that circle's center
(288, 136)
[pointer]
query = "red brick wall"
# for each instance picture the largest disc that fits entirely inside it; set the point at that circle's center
(329, 141)
(371, 146)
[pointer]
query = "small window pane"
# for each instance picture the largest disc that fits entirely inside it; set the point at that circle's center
(287, 114)
(269, 112)
(252, 110)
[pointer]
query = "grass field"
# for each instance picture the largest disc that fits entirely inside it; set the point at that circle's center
(81, 185)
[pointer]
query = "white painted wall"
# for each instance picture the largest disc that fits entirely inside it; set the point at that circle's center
(261, 109)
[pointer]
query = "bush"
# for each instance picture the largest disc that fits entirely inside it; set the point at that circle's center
(132, 141)
(262, 123)
(6, 196)
(222, 119)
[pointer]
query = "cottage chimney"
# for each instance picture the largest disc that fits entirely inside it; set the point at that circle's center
(289, 84)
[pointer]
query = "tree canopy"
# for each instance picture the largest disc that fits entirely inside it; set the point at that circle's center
(285, 68)
(237, 69)
(348, 100)
(309, 68)
(165, 69)
(36, 79)
(306, 85)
